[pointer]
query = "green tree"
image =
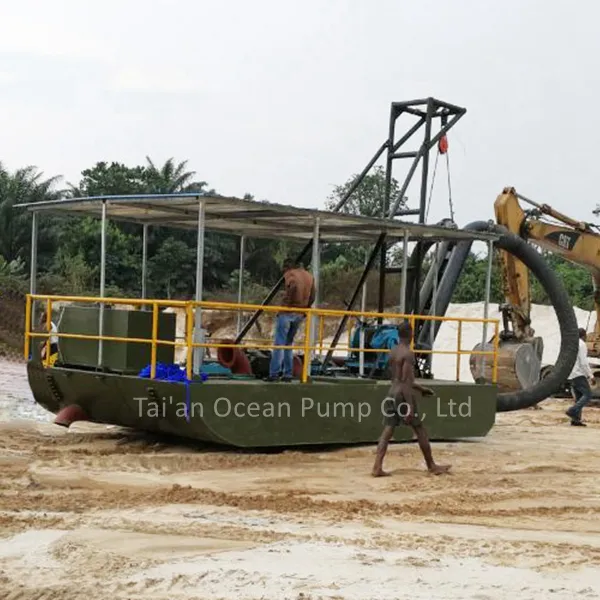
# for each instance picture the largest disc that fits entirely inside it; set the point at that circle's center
(470, 286)
(104, 179)
(81, 238)
(369, 196)
(171, 178)
(74, 271)
(172, 269)
(14, 268)
(367, 200)
(576, 279)
(25, 185)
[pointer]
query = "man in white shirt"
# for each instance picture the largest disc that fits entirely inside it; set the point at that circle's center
(53, 338)
(580, 378)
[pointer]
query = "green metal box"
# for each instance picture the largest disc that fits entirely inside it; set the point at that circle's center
(119, 357)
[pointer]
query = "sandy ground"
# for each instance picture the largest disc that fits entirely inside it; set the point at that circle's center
(104, 513)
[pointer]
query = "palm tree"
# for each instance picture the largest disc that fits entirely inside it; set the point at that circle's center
(23, 186)
(171, 178)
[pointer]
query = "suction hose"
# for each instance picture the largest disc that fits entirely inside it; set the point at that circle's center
(515, 245)
(567, 322)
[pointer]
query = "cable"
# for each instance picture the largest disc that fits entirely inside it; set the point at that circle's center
(449, 186)
(431, 188)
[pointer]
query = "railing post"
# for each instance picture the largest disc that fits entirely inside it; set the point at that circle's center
(458, 350)
(363, 308)
(27, 325)
(495, 356)
(349, 334)
(102, 282)
(321, 333)
(198, 332)
(188, 336)
(144, 261)
(404, 272)
(48, 329)
(316, 267)
(307, 349)
(154, 337)
(33, 265)
(241, 281)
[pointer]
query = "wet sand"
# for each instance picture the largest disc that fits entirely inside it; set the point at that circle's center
(100, 512)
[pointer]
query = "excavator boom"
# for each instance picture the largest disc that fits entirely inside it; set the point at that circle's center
(576, 241)
(515, 275)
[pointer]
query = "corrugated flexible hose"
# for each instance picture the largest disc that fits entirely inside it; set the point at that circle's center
(567, 322)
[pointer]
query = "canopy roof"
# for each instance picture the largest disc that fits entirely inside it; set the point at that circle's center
(247, 217)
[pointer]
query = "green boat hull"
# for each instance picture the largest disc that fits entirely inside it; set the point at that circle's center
(255, 414)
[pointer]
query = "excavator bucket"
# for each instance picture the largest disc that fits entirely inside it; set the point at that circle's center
(519, 364)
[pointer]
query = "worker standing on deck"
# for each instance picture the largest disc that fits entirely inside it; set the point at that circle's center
(299, 293)
(580, 378)
(53, 340)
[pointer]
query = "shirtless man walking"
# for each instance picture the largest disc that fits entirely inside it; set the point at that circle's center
(401, 405)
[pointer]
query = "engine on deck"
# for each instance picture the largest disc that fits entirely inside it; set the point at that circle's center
(377, 337)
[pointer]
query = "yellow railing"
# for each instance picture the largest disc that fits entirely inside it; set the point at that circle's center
(318, 344)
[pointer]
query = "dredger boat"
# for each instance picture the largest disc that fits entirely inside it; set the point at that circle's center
(116, 358)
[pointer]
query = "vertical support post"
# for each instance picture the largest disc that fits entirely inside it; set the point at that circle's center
(315, 261)
(306, 362)
(48, 325)
(241, 281)
(386, 208)
(102, 281)
(27, 327)
(486, 305)
(154, 338)
(423, 201)
(496, 343)
(33, 266)
(404, 273)
(144, 259)
(458, 349)
(425, 157)
(321, 334)
(198, 333)
(189, 319)
(363, 308)
(432, 312)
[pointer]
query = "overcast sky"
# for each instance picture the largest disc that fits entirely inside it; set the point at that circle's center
(284, 99)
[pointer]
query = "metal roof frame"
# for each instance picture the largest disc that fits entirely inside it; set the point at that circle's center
(251, 218)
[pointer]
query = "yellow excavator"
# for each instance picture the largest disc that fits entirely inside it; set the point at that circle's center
(520, 350)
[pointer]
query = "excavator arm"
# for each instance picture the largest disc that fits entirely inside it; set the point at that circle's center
(519, 350)
(515, 275)
(576, 241)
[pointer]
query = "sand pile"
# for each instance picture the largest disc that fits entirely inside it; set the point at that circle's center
(543, 319)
